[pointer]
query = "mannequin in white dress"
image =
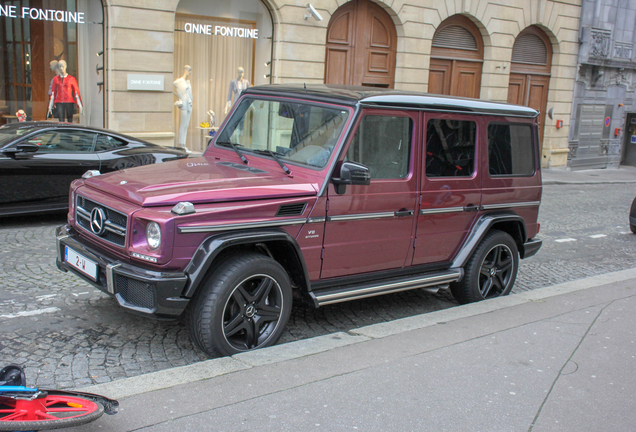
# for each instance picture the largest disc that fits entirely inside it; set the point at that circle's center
(184, 103)
(236, 88)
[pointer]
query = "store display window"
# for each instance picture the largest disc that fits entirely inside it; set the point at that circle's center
(50, 61)
(221, 48)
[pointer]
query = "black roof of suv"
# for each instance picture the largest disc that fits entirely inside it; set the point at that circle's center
(371, 96)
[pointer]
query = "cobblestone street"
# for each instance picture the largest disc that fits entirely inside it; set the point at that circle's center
(69, 334)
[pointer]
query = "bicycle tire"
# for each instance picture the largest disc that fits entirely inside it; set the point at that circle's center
(14, 416)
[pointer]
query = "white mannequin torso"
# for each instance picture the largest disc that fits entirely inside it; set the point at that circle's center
(184, 93)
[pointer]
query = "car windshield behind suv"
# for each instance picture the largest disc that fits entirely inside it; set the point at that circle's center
(295, 132)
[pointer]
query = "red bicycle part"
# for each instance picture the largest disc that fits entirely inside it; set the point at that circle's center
(49, 412)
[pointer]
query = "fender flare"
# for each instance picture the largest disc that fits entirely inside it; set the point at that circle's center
(479, 230)
(210, 248)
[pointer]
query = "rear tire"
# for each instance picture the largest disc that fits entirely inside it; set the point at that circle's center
(491, 270)
(243, 305)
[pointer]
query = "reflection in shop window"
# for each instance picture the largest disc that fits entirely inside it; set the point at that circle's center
(34, 48)
(228, 47)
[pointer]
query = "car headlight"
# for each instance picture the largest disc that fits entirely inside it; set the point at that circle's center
(153, 235)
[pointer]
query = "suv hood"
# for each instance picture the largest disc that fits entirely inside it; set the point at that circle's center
(198, 180)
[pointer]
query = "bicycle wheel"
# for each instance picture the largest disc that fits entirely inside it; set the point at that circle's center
(49, 412)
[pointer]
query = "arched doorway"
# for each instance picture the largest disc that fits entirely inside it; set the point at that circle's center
(361, 46)
(530, 72)
(457, 55)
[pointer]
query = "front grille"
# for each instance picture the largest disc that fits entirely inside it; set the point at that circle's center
(114, 222)
(137, 293)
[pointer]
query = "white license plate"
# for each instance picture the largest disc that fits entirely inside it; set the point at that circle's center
(81, 263)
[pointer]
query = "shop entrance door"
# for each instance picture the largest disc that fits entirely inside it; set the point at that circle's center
(361, 46)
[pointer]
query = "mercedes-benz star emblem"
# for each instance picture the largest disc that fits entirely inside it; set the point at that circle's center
(98, 220)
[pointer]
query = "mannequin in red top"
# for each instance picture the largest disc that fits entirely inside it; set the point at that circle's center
(65, 94)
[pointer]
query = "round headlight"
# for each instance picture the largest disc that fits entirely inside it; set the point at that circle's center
(153, 235)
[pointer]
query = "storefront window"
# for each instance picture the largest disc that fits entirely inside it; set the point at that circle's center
(42, 39)
(227, 48)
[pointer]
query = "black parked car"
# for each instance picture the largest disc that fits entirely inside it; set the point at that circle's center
(39, 160)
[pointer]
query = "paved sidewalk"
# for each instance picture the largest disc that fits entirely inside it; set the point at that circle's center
(552, 359)
(624, 174)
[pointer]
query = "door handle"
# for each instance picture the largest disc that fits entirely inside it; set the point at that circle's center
(471, 207)
(402, 213)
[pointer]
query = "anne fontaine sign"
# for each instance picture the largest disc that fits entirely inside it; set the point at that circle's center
(218, 30)
(25, 12)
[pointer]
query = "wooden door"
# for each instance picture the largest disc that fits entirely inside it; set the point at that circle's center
(530, 72)
(456, 59)
(439, 81)
(361, 46)
(530, 91)
(340, 45)
(466, 81)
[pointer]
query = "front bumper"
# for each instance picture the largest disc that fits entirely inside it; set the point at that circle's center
(143, 291)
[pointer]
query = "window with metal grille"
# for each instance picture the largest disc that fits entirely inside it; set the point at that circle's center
(529, 48)
(455, 36)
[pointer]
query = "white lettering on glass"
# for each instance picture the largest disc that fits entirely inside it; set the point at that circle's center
(44, 14)
(221, 30)
(8, 11)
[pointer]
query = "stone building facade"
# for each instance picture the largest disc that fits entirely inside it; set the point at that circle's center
(604, 105)
(523, 51)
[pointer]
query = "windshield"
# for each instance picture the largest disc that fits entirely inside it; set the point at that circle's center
(9, 134)
(296, 132)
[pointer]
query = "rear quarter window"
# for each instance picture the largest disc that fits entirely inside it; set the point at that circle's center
(510, 150)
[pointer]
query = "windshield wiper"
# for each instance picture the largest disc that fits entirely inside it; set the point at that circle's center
(235, 147)
(275, 157)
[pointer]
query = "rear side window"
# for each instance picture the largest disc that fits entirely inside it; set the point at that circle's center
(510, 150)
(107, 142)
(450, 148)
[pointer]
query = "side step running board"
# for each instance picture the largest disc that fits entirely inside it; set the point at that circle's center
(370, 289)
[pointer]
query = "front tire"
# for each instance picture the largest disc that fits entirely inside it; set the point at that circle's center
(243, 305)
(491, 270)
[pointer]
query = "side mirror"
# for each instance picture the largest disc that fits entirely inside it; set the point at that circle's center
(351, 173)
(27, 148)
(21, 150)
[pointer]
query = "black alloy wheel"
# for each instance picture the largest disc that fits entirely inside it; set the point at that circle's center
(491, 271)
(243, 305)
(252, 312)
(496, 271)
